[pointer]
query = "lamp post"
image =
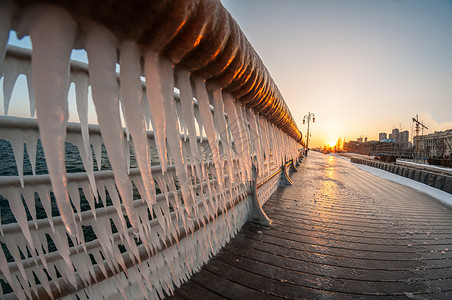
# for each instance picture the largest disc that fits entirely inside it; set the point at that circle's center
(307, 118)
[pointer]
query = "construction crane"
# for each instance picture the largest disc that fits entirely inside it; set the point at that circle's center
(419, 126)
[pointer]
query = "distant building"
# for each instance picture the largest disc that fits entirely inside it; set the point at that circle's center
(396, 135)
(365, 139)
(391, 137)
(359, 140)
(404, 139)
(436, 144)
(382, 136)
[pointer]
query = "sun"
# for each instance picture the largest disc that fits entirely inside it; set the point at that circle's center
(332, 144)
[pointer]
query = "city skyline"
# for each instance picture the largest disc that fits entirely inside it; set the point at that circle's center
(360, 66)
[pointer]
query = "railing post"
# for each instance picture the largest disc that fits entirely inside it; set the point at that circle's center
(294, 164)
(285, 179)
(257, 214)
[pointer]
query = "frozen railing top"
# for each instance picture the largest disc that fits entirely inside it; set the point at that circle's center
(72, 231)
(200, 37)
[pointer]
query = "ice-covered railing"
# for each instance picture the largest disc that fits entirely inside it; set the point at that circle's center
(140, 228)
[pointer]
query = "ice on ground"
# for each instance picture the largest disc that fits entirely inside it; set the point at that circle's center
(442, 196)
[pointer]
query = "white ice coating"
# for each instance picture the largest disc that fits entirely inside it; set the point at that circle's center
(255, 138)
(81, 82)
(245, 137)
(96, 142)
(235, 127)
(53, 31)
(170, 260)
(207, 120)
(146, 110)
(173, 135)
(131, 91)
(100, 45)
(6, 14)
(31, 141)
(154, 90)
(188, 111)
(222, 128)
(12, 68)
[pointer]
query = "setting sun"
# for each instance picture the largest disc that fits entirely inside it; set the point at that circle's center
(332, 144)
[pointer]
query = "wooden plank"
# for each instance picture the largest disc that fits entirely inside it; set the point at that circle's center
(349, 236)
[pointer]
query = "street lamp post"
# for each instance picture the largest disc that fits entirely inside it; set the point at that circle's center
(307, 118)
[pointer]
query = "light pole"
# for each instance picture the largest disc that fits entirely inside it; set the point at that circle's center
(308, 118)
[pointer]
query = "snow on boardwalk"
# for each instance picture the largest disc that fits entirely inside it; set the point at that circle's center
(338, 232)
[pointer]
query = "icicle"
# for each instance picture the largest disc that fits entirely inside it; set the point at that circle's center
(124, 117)
(89, 197)
(223, 130)
(173, 135)
(200, 125)
(87, 160)
(31, 141)
(16, 139)
(207, 120)
(155, 95)
(74, 195)
(245, 138)
(31, 95)
(188, 112)
(96, 141)
(12, 68)
(18, 210)
(44, 196)
(28, 194)
(101, 48)
(236, 130)
(127, 152)
(116, 202)
(6, 16)
(255, 137)
(53, 31)
(145, 109)
(5, 270)
(81, 82)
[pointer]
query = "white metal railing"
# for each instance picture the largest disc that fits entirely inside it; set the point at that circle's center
(136, 231)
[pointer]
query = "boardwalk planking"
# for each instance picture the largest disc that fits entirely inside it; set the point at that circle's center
(338, 232)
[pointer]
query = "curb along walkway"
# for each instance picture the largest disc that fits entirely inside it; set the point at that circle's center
(438, 179)
(340, 233)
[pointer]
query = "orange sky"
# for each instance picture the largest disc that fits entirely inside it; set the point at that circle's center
(362, 67)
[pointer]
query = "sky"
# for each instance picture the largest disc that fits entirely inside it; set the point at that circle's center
(361, 66)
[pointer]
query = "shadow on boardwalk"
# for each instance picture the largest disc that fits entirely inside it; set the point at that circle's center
(338, 233)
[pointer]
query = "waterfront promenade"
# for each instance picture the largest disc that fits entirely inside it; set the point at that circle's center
(339, 233)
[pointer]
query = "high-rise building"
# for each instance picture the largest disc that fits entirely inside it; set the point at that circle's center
(365, 139)
(360, 140)
(382, 136)
(391, 137)
(404, 138)
(396, 135)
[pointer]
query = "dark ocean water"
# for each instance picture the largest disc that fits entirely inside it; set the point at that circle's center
(73, 165)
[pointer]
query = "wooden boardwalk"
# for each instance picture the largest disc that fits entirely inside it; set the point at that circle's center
(339, 233)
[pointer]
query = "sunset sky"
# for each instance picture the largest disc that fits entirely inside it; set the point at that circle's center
(362, 66)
